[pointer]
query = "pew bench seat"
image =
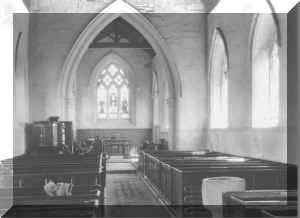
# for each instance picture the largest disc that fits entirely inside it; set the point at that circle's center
(30, 199)
(260, 203)
(177, 176)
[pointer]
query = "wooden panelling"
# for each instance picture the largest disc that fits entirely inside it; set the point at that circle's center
(177, 175)
(137, 136)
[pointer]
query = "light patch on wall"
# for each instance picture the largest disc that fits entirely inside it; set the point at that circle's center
(119, 6)
(218, 82)
(265, 73)
(7, 8)
(254, 6)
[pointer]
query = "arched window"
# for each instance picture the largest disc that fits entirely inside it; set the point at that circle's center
(218, 83)
(112, 93)
(265, 73)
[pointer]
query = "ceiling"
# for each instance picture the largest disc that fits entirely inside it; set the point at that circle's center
(121, 34)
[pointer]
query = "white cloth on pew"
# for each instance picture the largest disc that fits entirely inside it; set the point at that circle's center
(59, 189)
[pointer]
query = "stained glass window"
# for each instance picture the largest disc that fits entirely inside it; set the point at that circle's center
(113, 93)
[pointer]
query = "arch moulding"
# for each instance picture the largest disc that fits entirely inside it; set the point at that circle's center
(82, 43)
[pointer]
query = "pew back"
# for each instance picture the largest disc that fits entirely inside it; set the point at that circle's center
(178, 175)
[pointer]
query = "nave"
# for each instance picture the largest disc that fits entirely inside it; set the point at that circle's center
(165, 108)
(161, 184)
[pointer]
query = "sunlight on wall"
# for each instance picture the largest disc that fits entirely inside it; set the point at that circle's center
(219, 84)
(254, 6)
(7, 8)
(119, 6)
(266, 73)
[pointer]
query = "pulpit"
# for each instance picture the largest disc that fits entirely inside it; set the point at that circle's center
(49, 133)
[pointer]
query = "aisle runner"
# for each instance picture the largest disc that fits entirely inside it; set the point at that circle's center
(128, 196)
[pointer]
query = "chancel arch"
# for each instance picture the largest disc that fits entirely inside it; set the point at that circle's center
(218, 74)
(141, 24)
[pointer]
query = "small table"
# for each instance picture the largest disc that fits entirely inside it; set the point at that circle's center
(115, 147)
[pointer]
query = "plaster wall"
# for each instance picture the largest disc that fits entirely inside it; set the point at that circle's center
(293, 81)
(240, 138)
(21, 81)
(145, 6)
(185, 35)
(51, 38)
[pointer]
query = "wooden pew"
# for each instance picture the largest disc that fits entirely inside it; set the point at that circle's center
(179, 178)
(260, 203)
(150, 160)
(89, 197)
(86, 172)
(187, 180)
(32, 171)
(157, 169)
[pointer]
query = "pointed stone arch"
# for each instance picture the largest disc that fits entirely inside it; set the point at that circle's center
(218, 35)
(82, 43)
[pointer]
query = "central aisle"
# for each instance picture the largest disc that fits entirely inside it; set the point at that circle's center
(126, 194)
(128, 189)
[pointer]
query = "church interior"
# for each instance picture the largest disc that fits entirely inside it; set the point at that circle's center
(144, 108)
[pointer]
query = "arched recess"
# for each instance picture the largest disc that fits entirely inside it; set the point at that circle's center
(137, 20)
(155, 96)
(265, 57)
(112, 58)
(163, 105)
(218, 80)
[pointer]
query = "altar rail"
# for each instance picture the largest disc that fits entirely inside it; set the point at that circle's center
(136, 136)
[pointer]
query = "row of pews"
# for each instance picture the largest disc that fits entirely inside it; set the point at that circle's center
(176, 176)
(31, 173)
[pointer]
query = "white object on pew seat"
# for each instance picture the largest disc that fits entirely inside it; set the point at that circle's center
(231, 159)
(199, 152)
(50, 187)
(59, 189)
(213, 188)
(64, 189)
